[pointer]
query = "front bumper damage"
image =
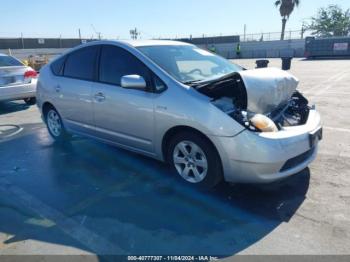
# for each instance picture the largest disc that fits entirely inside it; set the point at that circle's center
(266, 157)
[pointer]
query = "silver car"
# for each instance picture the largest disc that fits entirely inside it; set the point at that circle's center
(210, 119)
(17, 81)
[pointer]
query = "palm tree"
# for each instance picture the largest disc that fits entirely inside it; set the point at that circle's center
(286, 9)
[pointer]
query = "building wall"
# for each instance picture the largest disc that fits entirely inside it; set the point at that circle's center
(38, 43)
(23, 54)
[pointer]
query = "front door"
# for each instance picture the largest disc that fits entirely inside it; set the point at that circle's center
(123, 116)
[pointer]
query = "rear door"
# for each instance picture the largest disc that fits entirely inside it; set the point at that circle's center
(73, 89)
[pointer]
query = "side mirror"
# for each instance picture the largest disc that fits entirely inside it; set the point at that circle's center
(133, 82)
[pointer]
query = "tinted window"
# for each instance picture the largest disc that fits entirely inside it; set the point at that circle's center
(117, 62)
(57, 66)
(9, 61)
(159, 85)
(81, 64)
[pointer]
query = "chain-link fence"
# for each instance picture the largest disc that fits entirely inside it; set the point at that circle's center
(273, 36)
(49, 42)
(39, 43)
(251, 37)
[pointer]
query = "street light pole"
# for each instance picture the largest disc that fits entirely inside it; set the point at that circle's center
(245, 32)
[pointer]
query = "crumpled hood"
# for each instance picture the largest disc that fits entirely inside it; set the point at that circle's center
(268, 88)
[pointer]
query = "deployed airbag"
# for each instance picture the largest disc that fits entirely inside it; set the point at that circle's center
(268, 88)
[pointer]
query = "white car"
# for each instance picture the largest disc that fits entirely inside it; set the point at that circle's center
(17, 81)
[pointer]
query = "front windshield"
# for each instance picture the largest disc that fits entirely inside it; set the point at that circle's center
(188, 63)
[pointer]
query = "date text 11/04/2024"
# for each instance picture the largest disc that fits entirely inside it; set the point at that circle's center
(172, 258)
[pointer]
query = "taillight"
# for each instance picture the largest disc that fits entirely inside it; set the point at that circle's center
(30, 74)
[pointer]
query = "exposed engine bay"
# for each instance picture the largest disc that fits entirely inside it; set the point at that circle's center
(261, 100)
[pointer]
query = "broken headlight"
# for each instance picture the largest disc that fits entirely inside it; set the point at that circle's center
(263, 123)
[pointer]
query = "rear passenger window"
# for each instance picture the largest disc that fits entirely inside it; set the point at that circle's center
(117, 62)
(57, 66)
(81, 63)
(9, 61)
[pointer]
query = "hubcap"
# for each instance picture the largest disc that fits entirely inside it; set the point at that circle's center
(190, 161)
(54, 123)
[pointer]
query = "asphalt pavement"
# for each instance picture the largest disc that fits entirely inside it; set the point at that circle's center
(85, 197)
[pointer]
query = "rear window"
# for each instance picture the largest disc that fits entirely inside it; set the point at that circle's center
(9, 61)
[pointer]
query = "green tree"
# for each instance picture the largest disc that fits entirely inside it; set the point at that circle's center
(286, 9)
(331, 21)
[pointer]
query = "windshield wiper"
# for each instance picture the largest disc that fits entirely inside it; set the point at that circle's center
(202, 82)
(217, 80)
(193, 82)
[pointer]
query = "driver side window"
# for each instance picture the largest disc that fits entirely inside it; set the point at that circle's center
(116, 62)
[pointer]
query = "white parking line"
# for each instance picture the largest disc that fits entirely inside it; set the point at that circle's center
(338, 129)
(329, 80)
(75, 230)
(330, 83)
(334, 155)
(338, 93)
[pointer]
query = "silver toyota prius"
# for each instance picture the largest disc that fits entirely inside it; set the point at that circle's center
(210, 119)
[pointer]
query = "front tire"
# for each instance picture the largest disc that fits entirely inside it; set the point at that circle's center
(55, 125)
(195, 159)
(30, 101)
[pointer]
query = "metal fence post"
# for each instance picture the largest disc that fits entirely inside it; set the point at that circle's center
(22, 40)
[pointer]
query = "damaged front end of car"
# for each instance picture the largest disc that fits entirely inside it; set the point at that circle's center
(262, 100)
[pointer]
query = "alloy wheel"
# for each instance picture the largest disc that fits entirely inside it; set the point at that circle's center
(190, 161)
(54, 123)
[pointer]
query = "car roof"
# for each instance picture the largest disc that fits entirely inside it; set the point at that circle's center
(139, 43)
(130, 43)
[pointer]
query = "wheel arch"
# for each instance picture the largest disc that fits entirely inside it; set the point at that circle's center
(45, 108)
(172, 132)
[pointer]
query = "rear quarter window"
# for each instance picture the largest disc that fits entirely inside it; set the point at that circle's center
(9, 61)
(81, 63)
(57, 66)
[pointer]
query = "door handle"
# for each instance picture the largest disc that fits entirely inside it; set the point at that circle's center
(58, 88)
(100, 97)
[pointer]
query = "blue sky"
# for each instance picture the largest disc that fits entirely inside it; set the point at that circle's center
(154, 18)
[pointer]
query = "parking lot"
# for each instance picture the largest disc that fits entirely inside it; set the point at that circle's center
(89, 198)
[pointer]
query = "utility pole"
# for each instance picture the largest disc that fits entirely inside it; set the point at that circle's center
(22, 40)
(303, 30)
(79, 34)
(245, 32)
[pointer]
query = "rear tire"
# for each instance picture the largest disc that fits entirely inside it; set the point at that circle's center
(55, 125)
(30, 101)
(195, 160)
